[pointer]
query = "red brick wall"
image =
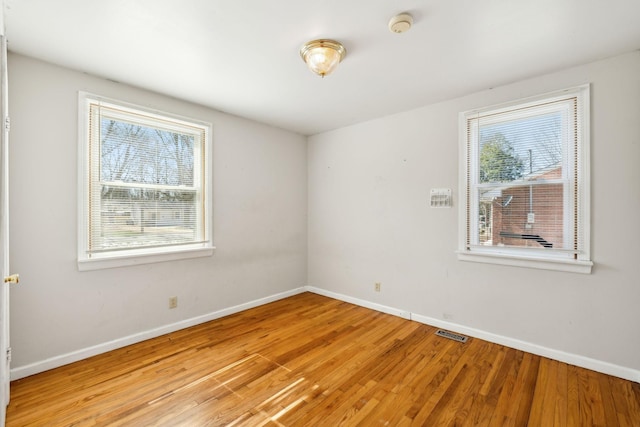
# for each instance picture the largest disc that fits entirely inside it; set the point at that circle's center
(547, 205)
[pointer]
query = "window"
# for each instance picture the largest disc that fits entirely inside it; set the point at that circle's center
(525, 183)
(144, 188)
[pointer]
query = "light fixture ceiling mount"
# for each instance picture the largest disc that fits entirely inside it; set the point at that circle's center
(322, 56)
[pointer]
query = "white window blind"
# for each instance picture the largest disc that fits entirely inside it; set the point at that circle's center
(145, 182)
(526, 179)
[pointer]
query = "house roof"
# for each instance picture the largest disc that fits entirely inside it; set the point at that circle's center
(492, 193)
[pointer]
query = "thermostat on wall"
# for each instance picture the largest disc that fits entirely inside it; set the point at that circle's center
(440, 197)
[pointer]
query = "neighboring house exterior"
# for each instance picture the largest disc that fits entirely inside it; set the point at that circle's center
(150, 213)
(506, 213)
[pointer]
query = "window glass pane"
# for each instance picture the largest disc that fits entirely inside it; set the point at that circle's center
(146, 181)
(145, 195)
(520, 186)
(141, 154)
(520, 148)
(516, 148)
(522, 216)
(133, 217)
(526, 190)
(146, 190)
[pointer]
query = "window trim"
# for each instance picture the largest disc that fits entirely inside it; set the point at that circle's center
(532, 259)
(139, 255)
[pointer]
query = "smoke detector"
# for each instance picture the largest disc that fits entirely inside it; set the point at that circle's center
(400, 23)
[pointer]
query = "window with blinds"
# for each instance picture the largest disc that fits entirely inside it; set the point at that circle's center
(526, 179)
(145, 182)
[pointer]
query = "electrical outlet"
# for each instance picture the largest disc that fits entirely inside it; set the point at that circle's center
(173, 302)
(377, 287)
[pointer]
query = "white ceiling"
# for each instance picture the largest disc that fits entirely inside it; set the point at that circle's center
(241, 56)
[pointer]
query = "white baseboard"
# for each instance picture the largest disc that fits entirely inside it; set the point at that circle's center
(74, 356)
(362, 303)
(570, 358)
(573, 359)
(561, 356)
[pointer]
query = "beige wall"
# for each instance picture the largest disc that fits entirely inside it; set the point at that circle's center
(359, 193)
(370, 221)
(259, 224)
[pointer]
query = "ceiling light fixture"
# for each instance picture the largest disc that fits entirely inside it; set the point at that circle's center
(322, 56)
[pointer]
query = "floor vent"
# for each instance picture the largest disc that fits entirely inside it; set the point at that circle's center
(451, 335)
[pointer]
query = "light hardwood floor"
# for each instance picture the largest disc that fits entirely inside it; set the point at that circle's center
(309, 360)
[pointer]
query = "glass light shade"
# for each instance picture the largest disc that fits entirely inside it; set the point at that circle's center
(322, 56)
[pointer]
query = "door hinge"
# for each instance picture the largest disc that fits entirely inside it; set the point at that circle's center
(9, 355)
(7, 123)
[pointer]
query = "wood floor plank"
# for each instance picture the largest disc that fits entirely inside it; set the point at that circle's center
(537, 405)
(465, 385)
(627, 407)
(492, 393)
(606, 396)
(561, 392)
(586, 408)
(309, 360)
(433, 406)
(573, 396)
(497, 414)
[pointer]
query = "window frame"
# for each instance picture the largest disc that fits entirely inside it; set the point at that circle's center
(531, 257)
(120, 257)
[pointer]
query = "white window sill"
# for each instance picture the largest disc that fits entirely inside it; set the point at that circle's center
(567, 265)
(123, 260)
